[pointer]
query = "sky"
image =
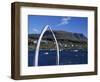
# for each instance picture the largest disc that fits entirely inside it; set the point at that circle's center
(65, 23)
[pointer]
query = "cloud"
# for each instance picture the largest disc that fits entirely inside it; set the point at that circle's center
(64, 21)
(35, 30)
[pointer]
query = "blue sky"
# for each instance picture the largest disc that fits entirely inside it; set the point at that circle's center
(65, 23)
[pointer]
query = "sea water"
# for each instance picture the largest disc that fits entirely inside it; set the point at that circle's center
(67, 57)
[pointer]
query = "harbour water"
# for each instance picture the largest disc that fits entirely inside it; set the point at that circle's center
(67, 57)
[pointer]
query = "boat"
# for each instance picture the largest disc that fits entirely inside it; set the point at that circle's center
(46, 53)
(75, 50)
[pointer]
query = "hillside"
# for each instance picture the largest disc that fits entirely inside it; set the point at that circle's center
(61, 35)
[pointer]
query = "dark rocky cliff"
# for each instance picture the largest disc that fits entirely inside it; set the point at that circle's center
(61, 35)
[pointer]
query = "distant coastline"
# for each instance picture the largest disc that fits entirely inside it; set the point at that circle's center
(66, 40)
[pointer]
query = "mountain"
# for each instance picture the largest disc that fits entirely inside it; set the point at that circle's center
(61, 36)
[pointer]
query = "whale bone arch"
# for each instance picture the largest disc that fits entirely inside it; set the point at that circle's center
(39, 41)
